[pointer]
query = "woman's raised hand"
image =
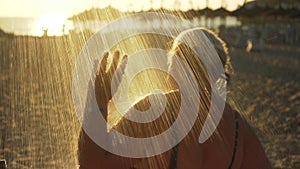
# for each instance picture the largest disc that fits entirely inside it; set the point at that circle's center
(104, 75)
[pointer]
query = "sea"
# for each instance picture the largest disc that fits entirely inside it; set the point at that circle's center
(34, 26)
(38, 26)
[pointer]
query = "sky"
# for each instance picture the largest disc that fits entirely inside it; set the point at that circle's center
(37, 8)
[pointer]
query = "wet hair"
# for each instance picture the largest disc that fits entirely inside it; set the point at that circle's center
(208, 41)
(221, 49)
(180, 49)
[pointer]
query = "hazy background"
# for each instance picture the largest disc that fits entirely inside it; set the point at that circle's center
(40, 42)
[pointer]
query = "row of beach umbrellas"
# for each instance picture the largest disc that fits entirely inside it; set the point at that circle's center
(259, 8)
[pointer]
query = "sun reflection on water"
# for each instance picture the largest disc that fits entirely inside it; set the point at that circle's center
(52, 24)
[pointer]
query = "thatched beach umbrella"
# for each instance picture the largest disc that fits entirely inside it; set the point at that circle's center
(221, 12)
(205, 12)
(269, 8)
(286, 8)
(248, 10)
(107, 13)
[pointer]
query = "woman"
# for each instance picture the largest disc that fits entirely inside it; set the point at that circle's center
(232, 146)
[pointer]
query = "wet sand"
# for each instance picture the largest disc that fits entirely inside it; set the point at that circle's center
(39, 128)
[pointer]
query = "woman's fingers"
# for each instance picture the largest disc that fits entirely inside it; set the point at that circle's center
(124, 58)
(115, 61)
(102, 65)
(123, 64)
(120, 72)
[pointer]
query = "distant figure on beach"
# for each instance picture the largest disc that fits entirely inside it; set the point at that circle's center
(233, 145)
(63, 30)
(258, 45)
(249, 46)
(45, 30)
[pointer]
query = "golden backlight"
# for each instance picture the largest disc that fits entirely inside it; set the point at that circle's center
(51, 24)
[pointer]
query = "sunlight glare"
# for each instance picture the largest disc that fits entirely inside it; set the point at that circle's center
(53, 22)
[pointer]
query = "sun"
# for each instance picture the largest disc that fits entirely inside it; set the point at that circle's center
(52, 24)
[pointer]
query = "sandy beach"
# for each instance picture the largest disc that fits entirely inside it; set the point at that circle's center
(266, 88)
(39, 128)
